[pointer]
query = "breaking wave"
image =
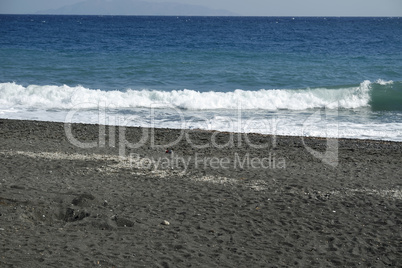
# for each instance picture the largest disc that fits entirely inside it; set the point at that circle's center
(379, 95)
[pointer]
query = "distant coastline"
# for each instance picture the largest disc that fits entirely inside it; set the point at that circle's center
(134, 8)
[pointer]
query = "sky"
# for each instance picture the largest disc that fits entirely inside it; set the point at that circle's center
(246, 8)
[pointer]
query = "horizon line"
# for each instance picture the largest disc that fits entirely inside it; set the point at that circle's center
(262, 16)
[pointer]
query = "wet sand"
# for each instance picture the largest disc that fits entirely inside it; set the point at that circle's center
(214, 200)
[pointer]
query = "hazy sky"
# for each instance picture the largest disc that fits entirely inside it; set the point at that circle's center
(247, 8)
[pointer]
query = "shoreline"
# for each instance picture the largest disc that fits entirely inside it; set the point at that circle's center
(210, 131)
(332, 202)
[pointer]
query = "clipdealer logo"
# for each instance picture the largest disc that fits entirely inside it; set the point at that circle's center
(147, 138)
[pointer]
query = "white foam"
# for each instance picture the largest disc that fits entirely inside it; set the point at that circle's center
(65, 97)
(284, 122)
(274, 112)
(384, 83)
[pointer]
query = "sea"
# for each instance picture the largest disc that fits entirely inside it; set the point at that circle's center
(338, 77)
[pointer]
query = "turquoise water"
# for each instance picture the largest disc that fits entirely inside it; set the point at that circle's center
(274, 73)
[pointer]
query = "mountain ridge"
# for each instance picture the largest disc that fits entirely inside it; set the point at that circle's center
(135, 7)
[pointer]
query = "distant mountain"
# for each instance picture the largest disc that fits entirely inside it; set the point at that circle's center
(134, 7)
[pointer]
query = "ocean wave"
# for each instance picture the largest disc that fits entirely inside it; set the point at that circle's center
(66, 97)
(383, 82)
(386, 96)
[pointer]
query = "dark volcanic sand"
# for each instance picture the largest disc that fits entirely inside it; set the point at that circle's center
(64, 206)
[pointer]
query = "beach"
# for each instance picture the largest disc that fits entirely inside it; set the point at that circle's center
(85, 195)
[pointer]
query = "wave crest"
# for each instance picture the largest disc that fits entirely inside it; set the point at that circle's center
(66, 97)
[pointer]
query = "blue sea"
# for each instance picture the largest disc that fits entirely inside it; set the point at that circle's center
(305, 76)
